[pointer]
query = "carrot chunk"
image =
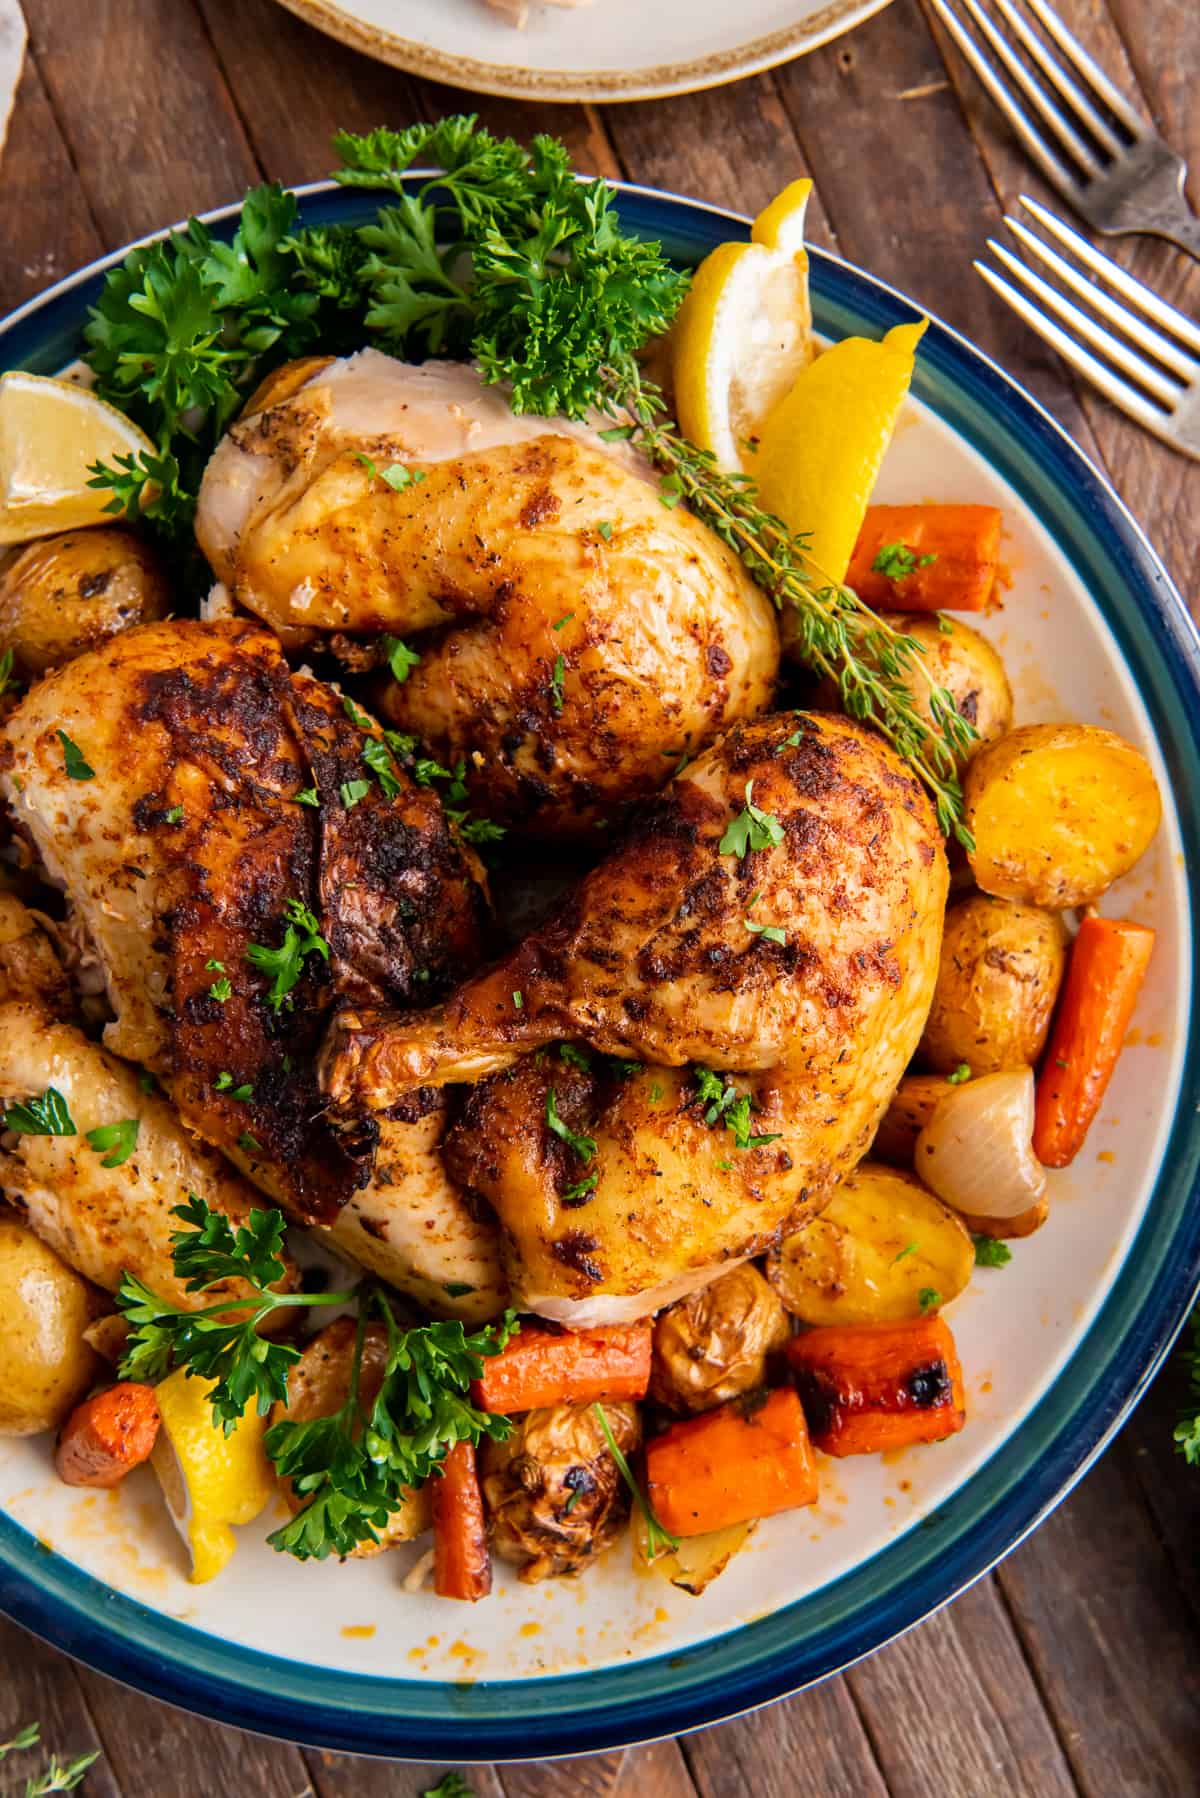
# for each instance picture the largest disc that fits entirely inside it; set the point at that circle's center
(462, 1565)
(107, 1436)
(581, 1366)
(867, 1387)
(962, 543)
(740, 1461)
(1108, 964)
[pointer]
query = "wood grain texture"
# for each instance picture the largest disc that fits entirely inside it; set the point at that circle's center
(40, 1686)
(1112, 1641)
(811, 1746)
(38, 251)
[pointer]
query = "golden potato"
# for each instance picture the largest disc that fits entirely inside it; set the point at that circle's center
(960, 659)
(1001, 967)
(714, 1343)
(64, 595)
(1023, 1224)
(1058, 812)
(883, 1249)
(45, 1364)
(907, 1115)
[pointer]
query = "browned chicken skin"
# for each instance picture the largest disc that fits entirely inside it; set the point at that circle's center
(576, 636)
(661, 957)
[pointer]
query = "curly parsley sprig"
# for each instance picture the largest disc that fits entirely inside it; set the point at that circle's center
(353, 1468)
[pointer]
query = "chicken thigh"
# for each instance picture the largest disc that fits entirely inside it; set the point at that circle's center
(775, 915)
(577, 635)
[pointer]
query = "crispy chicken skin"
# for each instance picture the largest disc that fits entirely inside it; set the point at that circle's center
(105, 1221)
(180, 851)
(651, 960)
(576, 636)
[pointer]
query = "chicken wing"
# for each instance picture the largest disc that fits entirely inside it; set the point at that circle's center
(777, 912)
(577, 636)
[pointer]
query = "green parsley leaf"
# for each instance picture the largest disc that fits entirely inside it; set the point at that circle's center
(8, 683)
(725, 1104)
(46, 1115)
(378, 758)
(307, 796)
(454, 1785)
(670, 491)
(174, 815)
(961, 1073)
(605, 530)
(220, 990)
(896, 561)
(580, 1192)
(751, 829)
(990, 1251)
(302, 937)
(584, 1146)
(398, 477)
(457, 1289)
(367, 463)
(73, 759)
(212, 966)
(480, 830)
(351, 791)
(116, 1142)
(771, 933)
(400, 658)
(575, 1057)
(518, 1000)
(565, 619)
(909, 1249)
(556, 683)
(355, 715)
(929, 1299)
(248, 1144)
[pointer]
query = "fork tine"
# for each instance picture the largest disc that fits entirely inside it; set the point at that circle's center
(1035, 91)
(1117, 351)
(1112, 272)
(1119, 392)
(1050, 66)
(1040, 153)
(1090, 69)
(1150, 340)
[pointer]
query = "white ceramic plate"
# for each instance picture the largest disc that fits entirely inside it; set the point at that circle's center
(608, 50)
(1055, 1347)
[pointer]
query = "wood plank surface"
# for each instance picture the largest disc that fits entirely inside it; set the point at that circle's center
(1074, 1670)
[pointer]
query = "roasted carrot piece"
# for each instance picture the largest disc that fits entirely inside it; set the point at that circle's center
(107, 1436)
(580, 1366)
(462, 1565)
(1108, 964)
(743, 1460)
(867, 1387)
(962, 542)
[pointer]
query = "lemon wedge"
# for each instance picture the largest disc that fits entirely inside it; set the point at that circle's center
(820, 450)
(209, 1480)
(50, 432)
(744, 332)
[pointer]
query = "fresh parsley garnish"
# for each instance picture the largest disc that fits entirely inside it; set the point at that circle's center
(896, 561)
(222, 989)
(213, 966)
(584, 1146)
(351, 791)
(46, 1115)
(451, 1785)
(771, 933)
(751, 829)
(8, 682)
(990, 1251)
(302, 937)
(115, 1142)
(726, 1105)
(960, 1074)
(378, 758)
(307, 796)
(73, 759)
(174, 815)
(929, 1298)
(556, 683)
(1187, 1430)
(910, 1248)
(581, 1191)
(400, 658)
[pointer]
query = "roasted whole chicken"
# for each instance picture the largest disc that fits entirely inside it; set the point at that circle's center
(777, 916)
(181, 850)
(577, 636)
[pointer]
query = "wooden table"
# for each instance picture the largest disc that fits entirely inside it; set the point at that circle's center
(1074, 1669)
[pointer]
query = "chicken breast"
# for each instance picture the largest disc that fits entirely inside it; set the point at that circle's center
(577, 636)
(776, 914)
(106, 1221)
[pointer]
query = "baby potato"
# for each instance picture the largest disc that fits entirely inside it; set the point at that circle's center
(1058, 812)
(960, 659)
(45, 1307)
(907, 1115)
(713, 1344)
(1001, 967)
(64, 595)
(883, 1249)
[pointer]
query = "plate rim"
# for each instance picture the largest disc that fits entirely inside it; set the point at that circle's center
(232, 1683)
(566, 86)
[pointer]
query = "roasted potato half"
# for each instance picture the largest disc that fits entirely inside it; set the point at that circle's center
(1001, 967)
(64, 595)
(882, 1250)
(907, 1115)
(713, 1344)
(45, 1307)
(1058, 812)
(960, 659)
